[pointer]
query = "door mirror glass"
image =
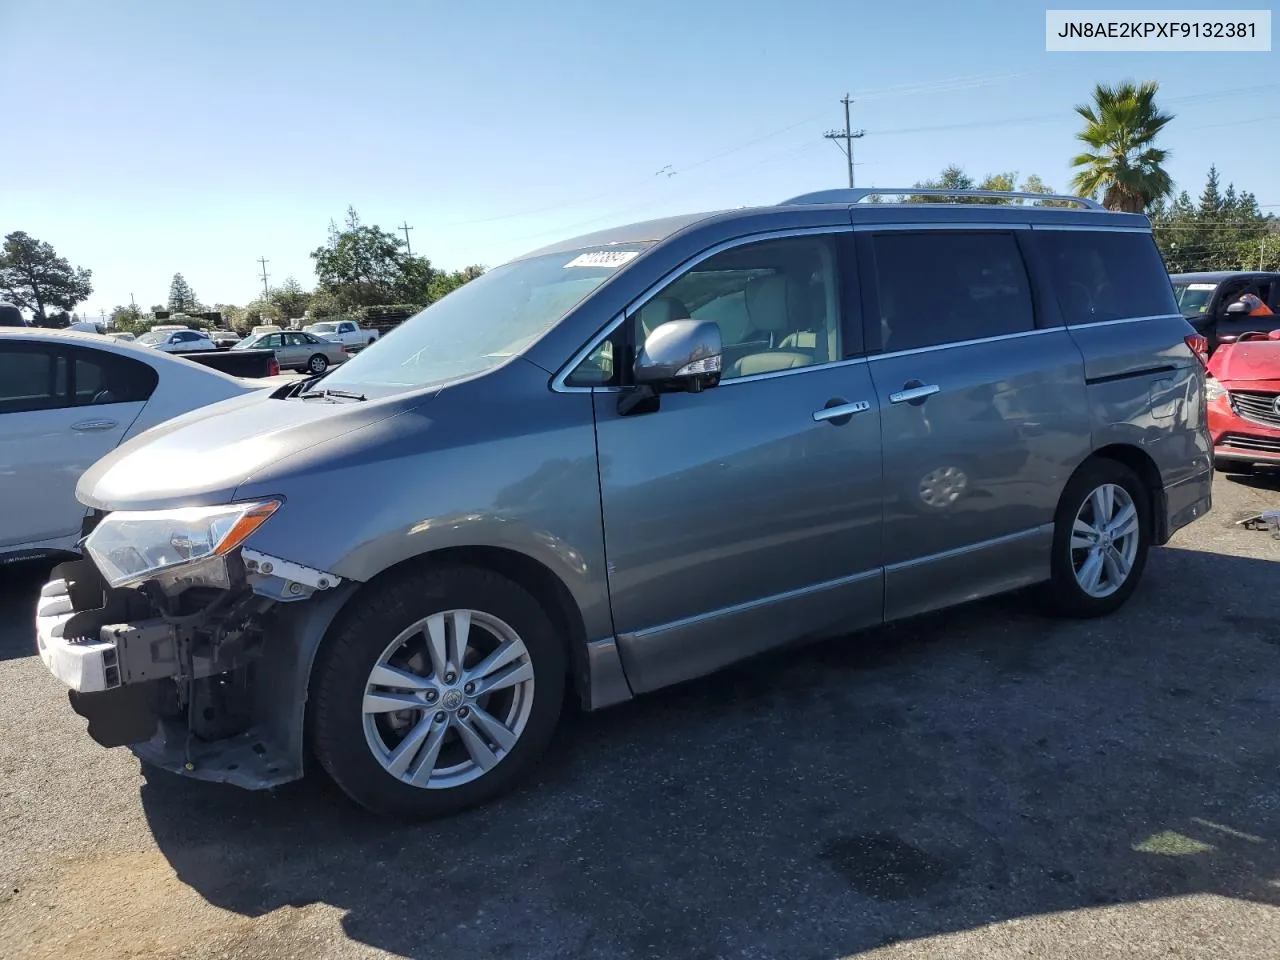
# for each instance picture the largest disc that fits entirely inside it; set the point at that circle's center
(1238, 309)
(680, 355)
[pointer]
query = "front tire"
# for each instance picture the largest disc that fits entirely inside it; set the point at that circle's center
(438, 691)
(1102, 534)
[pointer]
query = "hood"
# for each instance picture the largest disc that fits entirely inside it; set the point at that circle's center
(1249, 361)
(201, 457)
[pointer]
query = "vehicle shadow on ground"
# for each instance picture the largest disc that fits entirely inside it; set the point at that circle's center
(19, 587)
(925, 778)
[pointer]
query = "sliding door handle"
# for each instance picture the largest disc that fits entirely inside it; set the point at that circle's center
(914, 394)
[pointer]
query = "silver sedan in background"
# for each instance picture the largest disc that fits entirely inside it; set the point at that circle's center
(297, 350)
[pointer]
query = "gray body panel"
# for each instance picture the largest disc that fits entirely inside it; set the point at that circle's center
(1012, 417)
(767, 527)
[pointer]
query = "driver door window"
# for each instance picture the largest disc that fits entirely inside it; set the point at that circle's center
(776, 302)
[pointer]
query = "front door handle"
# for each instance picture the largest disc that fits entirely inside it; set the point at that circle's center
(85, 426)
(838, 409)
(914, 393)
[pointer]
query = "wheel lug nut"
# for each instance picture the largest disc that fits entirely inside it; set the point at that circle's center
(463, 711)
(469, 688)
(449, 678)
(431, 696)
(440, 717)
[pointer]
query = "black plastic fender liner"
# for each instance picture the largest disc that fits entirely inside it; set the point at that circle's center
(292, 637)
(119, 717)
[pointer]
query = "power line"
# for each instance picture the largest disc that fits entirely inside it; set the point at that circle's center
(1049, 117)
(848, 135)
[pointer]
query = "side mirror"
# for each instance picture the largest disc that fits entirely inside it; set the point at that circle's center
(680, 355)
(1238, 309)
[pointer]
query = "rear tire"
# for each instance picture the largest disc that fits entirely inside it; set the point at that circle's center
(424, 639)
(318, 364)
(1099, 546)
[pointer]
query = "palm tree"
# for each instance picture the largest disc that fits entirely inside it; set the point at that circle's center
(1121, 163)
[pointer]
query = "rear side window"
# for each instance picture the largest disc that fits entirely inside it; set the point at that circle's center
(31, 379)
(107, 378)
(1106, 275)
(943, 287)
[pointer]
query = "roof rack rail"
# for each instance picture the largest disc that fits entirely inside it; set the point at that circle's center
(857, 194)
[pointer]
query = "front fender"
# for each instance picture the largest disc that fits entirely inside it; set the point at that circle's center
(496, 462)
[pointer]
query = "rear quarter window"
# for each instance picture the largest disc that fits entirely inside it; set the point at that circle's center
(1106, 275)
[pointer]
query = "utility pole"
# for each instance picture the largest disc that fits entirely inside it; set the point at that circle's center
(1262, 252)
(848, 135)
(266, 293)
(406, 228)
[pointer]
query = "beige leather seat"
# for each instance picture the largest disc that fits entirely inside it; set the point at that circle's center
(776, 308)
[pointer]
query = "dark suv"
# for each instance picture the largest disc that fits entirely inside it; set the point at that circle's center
(10, 316)
(1205, 299)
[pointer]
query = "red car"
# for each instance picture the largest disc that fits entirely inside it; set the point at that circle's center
(1243, 395)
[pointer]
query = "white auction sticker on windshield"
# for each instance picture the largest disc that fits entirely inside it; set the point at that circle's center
(603, 258)
(1202, 286)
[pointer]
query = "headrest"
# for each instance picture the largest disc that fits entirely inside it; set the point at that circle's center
(775, 304)
(661, 310)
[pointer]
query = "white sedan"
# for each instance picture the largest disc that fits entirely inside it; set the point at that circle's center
(177, 341)
(67, 400)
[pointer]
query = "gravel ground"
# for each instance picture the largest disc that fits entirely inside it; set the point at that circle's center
(973, 784)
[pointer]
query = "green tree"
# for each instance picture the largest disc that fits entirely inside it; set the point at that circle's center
(954, 177)
(324, 303)
(445, 283)
(1224, 230)
(258, 312)
(292, 300)
(32, 275)
(1122, 163)
(182, 299)
(362, 265)
(127, 319)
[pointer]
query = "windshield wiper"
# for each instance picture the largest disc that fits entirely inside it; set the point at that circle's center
(341, 394)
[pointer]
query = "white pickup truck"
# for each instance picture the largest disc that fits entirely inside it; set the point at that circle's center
(346, 332)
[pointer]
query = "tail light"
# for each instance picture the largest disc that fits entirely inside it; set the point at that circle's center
(1199, 345)
(273, 367)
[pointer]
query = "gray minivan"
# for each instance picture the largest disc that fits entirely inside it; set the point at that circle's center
(627, 460)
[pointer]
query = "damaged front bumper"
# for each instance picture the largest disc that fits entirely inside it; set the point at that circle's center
(208, 683)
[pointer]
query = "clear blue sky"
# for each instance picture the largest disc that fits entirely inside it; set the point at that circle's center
(144, 138)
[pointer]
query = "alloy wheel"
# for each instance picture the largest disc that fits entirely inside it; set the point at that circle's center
(1105, 537)
(448, 699)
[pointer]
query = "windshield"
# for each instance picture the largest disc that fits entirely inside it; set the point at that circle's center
(153, 338)
(248, 342)
(1193, 298)
(322, 328)
(484, 322)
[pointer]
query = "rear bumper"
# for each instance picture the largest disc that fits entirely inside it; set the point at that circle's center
(1186, 502)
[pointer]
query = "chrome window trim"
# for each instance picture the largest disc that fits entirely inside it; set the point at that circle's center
(1088, 229)
(558, 384)
(917, 226)
(965, 343)
(1110, 323)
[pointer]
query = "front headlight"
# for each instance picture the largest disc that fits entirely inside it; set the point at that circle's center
(132, 546)
(1213, 390)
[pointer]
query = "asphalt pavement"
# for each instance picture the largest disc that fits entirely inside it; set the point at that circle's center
(978, 783)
